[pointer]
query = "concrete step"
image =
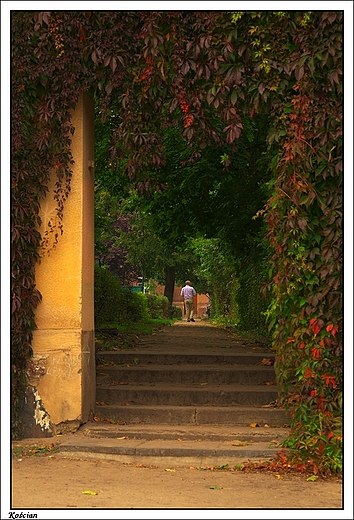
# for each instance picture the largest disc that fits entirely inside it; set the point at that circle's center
(185, 432)
(139, 356)
(183, 395)
(235, 416)
(186, 396)
(186, 374)
(195, 446)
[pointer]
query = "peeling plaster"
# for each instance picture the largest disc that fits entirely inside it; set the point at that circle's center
(36, 368)
(40, 414)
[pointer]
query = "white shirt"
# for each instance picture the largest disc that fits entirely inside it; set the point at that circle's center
(188, 292)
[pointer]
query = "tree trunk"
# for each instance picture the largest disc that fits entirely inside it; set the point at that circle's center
(169, 286)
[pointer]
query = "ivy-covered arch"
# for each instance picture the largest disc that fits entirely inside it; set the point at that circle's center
(159, 69)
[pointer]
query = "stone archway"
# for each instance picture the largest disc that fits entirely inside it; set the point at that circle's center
(62, 386)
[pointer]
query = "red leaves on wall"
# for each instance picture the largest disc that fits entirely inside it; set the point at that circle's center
(333, 329)
(329, 380)
(316, 353)
(316, 325)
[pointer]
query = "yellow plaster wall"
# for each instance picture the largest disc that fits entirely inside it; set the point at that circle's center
(63, 344)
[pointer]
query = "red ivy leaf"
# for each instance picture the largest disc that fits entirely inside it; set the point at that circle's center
(329, 327)
(334, 330)
(315, 325)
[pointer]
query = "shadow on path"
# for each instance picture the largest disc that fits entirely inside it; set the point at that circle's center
(201, 337)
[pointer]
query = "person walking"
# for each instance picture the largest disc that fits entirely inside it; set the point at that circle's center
(188, 292)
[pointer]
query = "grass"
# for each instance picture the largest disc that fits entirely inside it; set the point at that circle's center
(113, 336)
(35, 450)
(256, 335)
(146, 327)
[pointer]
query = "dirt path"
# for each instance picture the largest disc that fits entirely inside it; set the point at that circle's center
(55, 482)
(51, 486)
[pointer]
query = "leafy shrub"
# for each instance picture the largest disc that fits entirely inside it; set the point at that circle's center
(115, 304)
(107, 293)
(157, 306)
(252, 305)
(176, 312)
(132, 307)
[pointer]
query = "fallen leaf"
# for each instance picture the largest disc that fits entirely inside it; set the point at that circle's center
(266, 361)
(278, 476)
(171, 470)
(89, 493)
(265, 426)
(273, 444)
(120, 438)
(254, 425)
(313, 478)
(216, 487)
(96, 419)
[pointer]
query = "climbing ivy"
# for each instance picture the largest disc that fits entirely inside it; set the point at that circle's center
(176, 69)
(304, 219)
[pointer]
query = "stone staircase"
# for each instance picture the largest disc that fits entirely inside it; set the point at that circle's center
(185, 396)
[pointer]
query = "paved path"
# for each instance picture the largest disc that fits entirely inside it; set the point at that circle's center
(198, 337)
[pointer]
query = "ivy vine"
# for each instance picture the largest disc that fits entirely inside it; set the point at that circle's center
(160, 69)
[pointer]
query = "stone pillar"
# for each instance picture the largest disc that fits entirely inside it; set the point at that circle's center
(62, 386)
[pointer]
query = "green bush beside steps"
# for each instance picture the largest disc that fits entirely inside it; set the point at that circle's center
(117, 306)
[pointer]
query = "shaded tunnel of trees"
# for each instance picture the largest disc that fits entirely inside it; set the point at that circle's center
(215, 117)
